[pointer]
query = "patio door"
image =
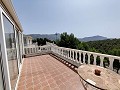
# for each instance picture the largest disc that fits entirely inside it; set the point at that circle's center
(11, 50)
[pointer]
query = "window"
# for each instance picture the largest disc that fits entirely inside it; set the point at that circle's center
(11, 51)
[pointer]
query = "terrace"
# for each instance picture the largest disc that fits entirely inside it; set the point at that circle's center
(51, 67)
(45, 73)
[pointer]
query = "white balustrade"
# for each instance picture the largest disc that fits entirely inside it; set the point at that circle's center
(72, 54)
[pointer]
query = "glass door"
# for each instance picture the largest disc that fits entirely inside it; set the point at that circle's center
(11, 50)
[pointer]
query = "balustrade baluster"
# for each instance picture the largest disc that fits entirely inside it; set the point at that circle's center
(40, 49)
(27, 50)
(84, 58)
(89, 58)
(73, 56)
(80, 57)
(62, 52)
(70, 55)
(101, 61)
(76, 56)
(57, 51)
(66, 54)
(95, 56)
(35, 49)
(31, 50)
(111, 59)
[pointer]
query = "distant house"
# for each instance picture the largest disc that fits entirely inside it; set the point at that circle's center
(28, 41)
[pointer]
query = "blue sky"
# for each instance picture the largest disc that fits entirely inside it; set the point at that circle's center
(83, 18)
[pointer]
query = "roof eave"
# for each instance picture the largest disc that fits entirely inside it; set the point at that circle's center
(9, 6)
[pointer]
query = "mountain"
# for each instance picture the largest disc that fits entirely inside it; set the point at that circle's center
(93, 38)
(54, 36)
(48, 36)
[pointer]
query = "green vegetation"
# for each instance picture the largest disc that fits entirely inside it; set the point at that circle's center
(106, 46)
(41, 41)
(70, 41)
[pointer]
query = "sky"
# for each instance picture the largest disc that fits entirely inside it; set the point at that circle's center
(83, 18)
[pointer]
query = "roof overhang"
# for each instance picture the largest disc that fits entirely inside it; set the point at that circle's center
(8, 4)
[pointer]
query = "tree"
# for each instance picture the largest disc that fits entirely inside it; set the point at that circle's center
(70, 41)
(42, 41)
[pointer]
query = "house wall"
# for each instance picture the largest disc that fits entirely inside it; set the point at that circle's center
(11, 43)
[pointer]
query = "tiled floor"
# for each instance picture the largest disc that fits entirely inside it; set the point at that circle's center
(46, 73)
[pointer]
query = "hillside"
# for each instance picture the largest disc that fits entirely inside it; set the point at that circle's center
(92, 38)
(48, 36)
(109, 46)
(53, 37)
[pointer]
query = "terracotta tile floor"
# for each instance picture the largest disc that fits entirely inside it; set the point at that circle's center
(46, 73)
